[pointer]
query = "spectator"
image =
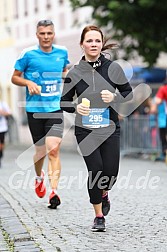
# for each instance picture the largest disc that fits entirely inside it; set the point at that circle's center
(160, 110)
(4, 113)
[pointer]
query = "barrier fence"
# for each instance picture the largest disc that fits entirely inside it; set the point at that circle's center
(139, 134)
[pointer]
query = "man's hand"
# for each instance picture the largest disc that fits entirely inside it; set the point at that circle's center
(33, 88)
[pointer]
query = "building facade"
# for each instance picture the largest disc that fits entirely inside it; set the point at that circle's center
(18, 19)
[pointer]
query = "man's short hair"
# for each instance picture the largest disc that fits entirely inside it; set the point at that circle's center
(45, 22)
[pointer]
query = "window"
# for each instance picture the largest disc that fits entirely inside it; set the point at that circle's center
(16, 13)
(61, 2)
(35, 6)
(5, 19)
(25, 8)
(17, 32)
(48, 4)
(62, 21)
(27, 32)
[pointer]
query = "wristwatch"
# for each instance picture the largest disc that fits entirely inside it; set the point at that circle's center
(115, 96)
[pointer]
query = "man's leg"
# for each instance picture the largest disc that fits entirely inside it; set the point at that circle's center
(40, 153)
(54, 168)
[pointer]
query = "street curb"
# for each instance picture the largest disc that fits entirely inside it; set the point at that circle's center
(14, 236)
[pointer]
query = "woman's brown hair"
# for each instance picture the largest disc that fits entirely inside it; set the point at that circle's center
(104, 40)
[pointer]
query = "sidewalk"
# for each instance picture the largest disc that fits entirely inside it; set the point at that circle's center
(136, 223)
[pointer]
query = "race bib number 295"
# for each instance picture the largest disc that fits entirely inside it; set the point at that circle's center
(98, 117)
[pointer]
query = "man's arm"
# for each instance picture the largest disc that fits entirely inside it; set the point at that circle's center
(64, 73)
(18, 80)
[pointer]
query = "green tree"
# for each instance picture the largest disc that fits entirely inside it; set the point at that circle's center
(139, 25)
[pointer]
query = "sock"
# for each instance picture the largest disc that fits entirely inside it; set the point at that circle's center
(99, 215)
(105, 195)
(53, 190)
(39, 178)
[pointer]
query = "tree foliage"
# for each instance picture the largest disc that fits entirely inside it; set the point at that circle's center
(138, 25)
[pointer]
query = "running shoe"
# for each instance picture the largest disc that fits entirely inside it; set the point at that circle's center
(40, 187)
(105, 205)
(54, 200)
(99, 225)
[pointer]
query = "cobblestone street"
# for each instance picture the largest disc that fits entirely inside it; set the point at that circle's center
(136, 223)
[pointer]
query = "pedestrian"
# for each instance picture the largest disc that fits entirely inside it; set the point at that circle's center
(90, 91)
(162, 126)
(40, 69)
(4, 113)
(160, 101)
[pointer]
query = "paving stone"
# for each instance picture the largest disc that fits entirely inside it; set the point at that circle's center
(136, 223)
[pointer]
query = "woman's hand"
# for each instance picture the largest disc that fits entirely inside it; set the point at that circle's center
(83, 110)
(107, 96)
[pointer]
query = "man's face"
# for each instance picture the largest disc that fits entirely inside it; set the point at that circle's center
(45, 35)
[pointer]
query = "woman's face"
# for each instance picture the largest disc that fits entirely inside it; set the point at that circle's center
(92, 45)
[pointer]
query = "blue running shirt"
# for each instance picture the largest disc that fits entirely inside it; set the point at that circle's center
(45, 69)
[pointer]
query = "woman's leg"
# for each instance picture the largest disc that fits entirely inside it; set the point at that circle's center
(110, 153)
(95, 171)
(97, 180)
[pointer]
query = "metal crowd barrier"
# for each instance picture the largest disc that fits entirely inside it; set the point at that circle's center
(12, 136)
(139, 134)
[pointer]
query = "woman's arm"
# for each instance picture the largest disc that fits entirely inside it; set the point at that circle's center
(67, 96)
